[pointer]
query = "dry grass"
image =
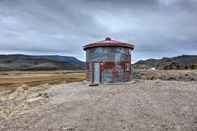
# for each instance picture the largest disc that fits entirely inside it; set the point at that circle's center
(10, 80)
(178, 75)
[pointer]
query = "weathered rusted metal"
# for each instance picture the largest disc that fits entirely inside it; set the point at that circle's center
(114, 61)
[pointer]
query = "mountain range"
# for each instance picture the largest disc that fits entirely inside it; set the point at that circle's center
(44, 62)
(179, 62)
(18, 62)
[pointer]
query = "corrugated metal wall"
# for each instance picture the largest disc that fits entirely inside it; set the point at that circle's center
(115, 63)
(115, 54)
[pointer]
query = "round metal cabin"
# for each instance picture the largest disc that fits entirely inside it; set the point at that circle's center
(108, 61)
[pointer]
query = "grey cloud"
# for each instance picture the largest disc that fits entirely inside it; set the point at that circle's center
(157, 27)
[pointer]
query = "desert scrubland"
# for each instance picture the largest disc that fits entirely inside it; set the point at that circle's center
(166, 75)
(14, 79)
(62, 101)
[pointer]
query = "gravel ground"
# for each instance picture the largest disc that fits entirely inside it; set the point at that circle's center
(139, 105)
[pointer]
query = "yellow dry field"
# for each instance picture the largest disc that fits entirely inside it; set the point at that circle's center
(9, 80)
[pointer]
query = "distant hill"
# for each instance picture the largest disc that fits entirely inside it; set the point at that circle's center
(28, 62)
(179, 62)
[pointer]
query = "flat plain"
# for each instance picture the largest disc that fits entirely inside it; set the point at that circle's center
(14, 79)
(140, 105)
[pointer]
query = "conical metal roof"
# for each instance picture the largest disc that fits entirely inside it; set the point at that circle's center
(108, 42)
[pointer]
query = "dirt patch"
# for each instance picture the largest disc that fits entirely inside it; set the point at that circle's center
(137, 105)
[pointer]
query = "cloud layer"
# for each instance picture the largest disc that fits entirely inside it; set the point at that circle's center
(157, 27)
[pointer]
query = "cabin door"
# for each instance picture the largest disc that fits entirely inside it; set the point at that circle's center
(96, 72)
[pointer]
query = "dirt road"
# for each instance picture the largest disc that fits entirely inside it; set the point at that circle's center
(134, 106)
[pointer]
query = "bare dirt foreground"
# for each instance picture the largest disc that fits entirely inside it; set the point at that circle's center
(141, 105)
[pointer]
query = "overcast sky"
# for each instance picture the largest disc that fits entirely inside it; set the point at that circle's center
(158, 28)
